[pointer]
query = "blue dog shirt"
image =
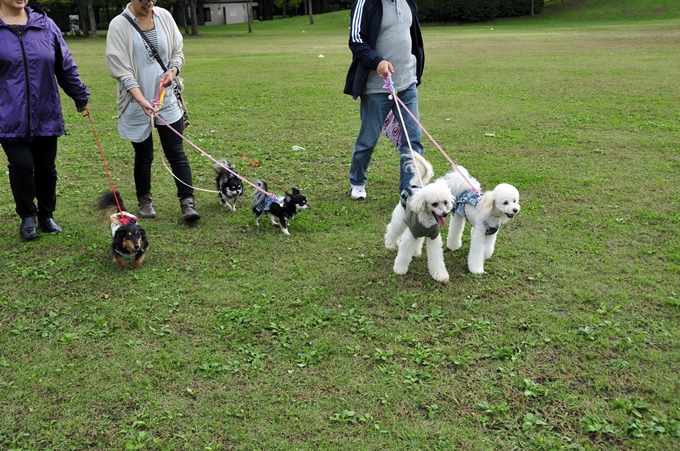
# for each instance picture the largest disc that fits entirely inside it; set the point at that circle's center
(472, 198)
(268, 201)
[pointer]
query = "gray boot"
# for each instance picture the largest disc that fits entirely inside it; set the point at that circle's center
(146, 207)
(189, 210)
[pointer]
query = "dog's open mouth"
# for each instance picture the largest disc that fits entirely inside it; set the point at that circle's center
(510, 215)
(440, 220)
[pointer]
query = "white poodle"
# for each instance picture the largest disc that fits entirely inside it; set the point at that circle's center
(486, 213)
(419, 214)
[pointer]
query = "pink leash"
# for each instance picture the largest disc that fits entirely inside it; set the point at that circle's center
(214, 160)
(389, 85)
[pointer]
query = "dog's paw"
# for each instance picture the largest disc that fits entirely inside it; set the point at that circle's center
(454, 245)
(401, 270)
(477, 270)
(390, 243)
(440, 276)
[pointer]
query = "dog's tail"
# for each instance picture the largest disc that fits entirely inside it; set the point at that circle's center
(106, 203)
(459, 181)
(260, 197)
(220, 167)
(421, 168)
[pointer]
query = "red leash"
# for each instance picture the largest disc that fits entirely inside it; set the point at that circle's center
(123, 219)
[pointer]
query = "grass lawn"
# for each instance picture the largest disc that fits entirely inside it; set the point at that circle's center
(232, 337)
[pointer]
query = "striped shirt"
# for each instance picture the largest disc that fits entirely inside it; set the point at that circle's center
(152, 36)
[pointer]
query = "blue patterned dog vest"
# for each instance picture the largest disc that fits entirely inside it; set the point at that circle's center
(472, 198)
(268, 201)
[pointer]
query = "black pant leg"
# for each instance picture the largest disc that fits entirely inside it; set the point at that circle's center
(174, 151)
(143, 160)
(44, 150)
(21, 178)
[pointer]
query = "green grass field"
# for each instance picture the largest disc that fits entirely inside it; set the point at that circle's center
(232, 337)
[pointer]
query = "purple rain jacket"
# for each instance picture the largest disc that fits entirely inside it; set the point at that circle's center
(30, 68)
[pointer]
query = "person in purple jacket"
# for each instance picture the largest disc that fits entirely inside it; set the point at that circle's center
(33, 59)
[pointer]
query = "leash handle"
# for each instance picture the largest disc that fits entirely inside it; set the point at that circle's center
(123, 219)
(161, 95)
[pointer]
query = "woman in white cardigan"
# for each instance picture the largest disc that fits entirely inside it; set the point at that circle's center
(131, 61)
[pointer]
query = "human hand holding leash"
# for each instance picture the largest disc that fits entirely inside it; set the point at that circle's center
(147, 107)
(385, 68)
(168, 77)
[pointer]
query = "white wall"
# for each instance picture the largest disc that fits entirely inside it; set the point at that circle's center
(226, 13)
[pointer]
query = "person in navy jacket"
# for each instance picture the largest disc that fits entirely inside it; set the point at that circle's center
(34, 58)
(385, 39)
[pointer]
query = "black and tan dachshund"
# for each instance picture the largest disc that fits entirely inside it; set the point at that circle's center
(129, 239)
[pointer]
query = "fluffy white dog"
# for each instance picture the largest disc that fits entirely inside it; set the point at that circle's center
(420, 214)
(486, 213)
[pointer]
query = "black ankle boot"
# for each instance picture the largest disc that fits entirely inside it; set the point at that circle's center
(48, 225)
(28, 230)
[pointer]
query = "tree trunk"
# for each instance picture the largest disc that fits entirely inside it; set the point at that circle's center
(311, 15)
(93, 21)
(81, 17)
(266, 8)
(249, 5)
(194, 19)
(532, 7)
(183, 15)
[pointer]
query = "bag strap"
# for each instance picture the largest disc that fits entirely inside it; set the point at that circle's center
(153, 49)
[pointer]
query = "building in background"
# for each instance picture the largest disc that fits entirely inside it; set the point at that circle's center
(224, 12)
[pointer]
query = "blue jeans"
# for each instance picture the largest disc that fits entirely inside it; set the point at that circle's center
(374, 110)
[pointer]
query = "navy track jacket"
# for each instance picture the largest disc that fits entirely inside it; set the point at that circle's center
(363, 34)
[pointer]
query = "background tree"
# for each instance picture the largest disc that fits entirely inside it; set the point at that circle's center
(92, 20)
(194, 21)
(249, 7)
(311, 15)
(81, 17)
(283, 4)
(181, 11)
